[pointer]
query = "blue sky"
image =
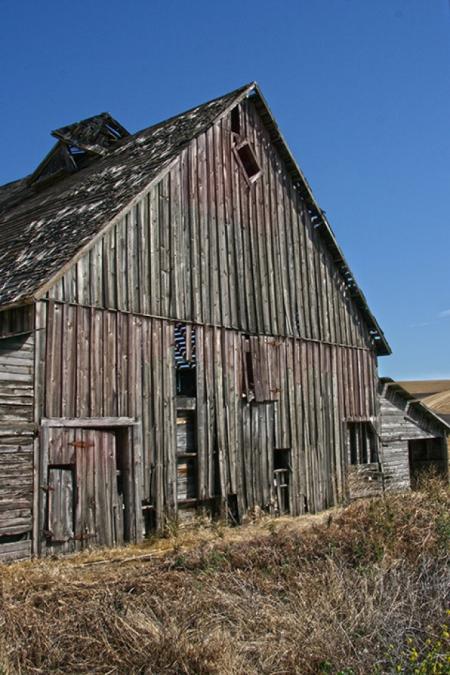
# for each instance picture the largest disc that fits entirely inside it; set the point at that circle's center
(360, 88)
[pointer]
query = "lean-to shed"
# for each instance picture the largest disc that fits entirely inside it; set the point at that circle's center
(413, 438)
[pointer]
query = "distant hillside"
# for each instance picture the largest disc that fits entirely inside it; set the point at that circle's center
(360, 590)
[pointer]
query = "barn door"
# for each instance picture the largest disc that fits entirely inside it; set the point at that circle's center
(87, 495)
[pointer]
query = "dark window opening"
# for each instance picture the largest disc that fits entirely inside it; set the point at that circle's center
(186, 383)
(13, 538)
(248, 161)
(232, 509)
(281, 471)
(79, 157)
(353, 444)
(362, 443)
(236, 120)
(248, 385)
(281, 459)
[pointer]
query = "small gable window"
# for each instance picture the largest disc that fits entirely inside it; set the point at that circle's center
(235, 121)
(248, 162)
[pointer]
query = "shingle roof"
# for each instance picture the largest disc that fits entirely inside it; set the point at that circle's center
(41, 231)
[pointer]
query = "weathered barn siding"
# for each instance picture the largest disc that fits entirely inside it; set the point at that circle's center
(107, 363)
(205, 247)
(248, 269)
(16, 435)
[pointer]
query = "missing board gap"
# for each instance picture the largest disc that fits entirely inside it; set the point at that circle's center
(248, 162)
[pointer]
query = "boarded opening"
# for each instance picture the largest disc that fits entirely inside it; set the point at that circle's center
(186, 457)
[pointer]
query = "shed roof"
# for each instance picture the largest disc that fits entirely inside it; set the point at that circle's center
(439, 402)
(423, 388)
(435, 394)
(412, 400)
(45, 227)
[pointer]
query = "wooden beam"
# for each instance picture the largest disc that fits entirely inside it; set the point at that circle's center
(89, 422)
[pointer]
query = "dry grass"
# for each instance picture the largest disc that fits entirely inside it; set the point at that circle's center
(360, 590)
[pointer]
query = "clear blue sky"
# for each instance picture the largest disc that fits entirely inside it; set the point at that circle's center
(360, 88)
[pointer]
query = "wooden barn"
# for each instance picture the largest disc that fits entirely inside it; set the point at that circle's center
(179, 330)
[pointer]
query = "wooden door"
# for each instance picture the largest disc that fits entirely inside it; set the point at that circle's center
(93, 507)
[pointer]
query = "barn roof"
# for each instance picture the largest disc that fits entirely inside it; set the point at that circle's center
(386, 383)
(435, 394)
(45, 225)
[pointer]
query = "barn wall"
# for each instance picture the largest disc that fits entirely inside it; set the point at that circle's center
(106, 363)
(205, 246)
(16, 440)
